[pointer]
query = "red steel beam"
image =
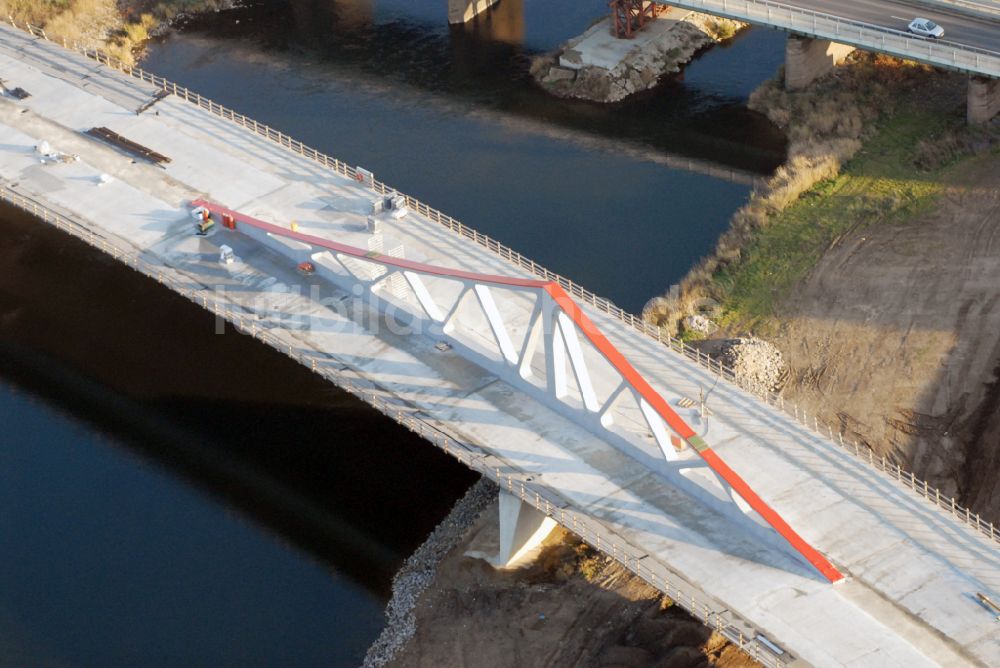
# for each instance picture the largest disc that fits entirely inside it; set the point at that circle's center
(352, 251)
(599, 341)
(659, 404)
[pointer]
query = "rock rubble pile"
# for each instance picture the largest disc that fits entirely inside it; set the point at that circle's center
(758, 365)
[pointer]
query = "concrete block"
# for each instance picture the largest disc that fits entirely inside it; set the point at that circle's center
(572, 59)
(557, 74)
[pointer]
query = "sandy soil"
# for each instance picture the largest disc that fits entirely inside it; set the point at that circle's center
(895, 336)
(550, 614)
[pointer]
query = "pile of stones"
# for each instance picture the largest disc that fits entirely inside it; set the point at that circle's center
(758, 365)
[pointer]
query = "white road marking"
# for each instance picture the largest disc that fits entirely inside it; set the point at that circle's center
(899, 18)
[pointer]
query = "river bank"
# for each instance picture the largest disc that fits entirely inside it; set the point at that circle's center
(120, 28)
(570, 607)
(870, 263)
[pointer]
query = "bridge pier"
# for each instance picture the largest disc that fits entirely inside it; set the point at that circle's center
(983, 100)
(522, 529)
(462, 11)
(807, 59)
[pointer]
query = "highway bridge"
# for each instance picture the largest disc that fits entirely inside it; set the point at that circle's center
(800, 547)
(823, 32)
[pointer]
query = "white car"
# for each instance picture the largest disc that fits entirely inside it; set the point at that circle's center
(925, 28)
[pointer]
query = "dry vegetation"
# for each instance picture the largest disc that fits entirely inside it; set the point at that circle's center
(119, 27)
(918, 111)
(721, 30)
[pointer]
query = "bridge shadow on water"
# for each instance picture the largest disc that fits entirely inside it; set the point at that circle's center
(318, 468)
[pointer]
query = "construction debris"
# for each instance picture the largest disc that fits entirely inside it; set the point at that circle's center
(758, 365)
(127, 145)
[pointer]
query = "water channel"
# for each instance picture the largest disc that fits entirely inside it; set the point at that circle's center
(172, 497)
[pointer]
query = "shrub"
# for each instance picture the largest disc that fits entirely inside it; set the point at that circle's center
(721, 29)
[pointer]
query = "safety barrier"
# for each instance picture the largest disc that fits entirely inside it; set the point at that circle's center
(514, 480)
(605, 306)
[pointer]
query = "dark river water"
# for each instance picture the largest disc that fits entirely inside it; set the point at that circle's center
(173, 497)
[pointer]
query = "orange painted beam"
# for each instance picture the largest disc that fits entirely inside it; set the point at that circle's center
(684, 430)
(352, 251)
(599, 341)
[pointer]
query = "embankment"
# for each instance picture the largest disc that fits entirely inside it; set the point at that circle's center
(120, 28)
(571, 607)
(870, 261)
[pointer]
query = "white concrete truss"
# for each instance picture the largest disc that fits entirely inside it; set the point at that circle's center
(498, 322)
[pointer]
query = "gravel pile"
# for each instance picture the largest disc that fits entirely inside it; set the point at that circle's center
(758, 365)
(418, 572)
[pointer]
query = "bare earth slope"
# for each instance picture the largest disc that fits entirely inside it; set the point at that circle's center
(568, 608)
(895, 336)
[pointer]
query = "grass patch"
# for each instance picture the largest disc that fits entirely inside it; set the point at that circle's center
(865, 146)
(881, 185)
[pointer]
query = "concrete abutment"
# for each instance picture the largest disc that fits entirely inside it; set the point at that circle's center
(461, 11)
(983, 100)
(807, 59)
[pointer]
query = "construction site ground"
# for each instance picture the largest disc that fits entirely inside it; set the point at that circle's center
(567, 607)
(895, 335)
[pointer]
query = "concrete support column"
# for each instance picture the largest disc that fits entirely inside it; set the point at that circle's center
(522, 529)
(460, 11)
(984, 99)
(807, 59)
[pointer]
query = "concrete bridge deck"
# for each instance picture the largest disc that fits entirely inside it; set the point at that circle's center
(913, 570)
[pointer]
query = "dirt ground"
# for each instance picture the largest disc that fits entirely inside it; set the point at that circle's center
(895, 336)
(569, 607)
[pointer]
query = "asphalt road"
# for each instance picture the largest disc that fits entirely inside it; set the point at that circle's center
(983, 33)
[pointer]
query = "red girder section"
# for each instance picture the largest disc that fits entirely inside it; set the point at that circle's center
(631, 15)
(353, 251)
(663, 409)
(598, 340)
